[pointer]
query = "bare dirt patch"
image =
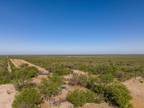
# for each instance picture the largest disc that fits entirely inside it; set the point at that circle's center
(136, 89)
(93, 105)
(78, 72)
(62, 105)
(7, 94)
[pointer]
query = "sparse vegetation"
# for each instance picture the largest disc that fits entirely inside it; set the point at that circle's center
(121, 67)
(5, 76)
(101, 82)
(81, 80)
(59, 69)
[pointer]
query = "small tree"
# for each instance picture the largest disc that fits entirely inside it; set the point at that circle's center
(27, 98)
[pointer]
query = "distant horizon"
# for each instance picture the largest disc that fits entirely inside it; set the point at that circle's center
(78, 53)
(74, 53)
(68, 54)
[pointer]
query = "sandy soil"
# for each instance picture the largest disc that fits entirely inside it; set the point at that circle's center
(136, 89)
(38, 79)
(7, 94)
(9, 67)
(20, 62)
(93, 105)
(65, 104)
(78, 72)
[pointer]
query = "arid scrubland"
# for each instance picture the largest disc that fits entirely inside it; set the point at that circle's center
(108, 81)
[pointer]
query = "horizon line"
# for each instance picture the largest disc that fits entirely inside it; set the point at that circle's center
(71, 54)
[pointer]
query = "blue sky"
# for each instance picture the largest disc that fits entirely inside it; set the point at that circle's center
(71, 26)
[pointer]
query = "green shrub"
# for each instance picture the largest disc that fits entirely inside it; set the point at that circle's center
(103, 69)
(5, 76)
(87, 68)
(95, 85)
(24, 73)
(92, 81)
(81, 97)
(99, 88)
(20, 86)
(27, 98)
(60, 70)
(81, 80)
(51, 86)
(118, 94)
(123, 76)
(106, 78)
(22, 76)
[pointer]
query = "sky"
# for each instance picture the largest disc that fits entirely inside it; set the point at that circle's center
(71, 26)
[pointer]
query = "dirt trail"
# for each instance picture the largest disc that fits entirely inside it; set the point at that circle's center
(7, 94)
(42, 72)
(19, 62)
(9, 67)
(136, 89)
(78, 72)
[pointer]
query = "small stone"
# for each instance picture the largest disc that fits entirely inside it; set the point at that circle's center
(66, 105)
